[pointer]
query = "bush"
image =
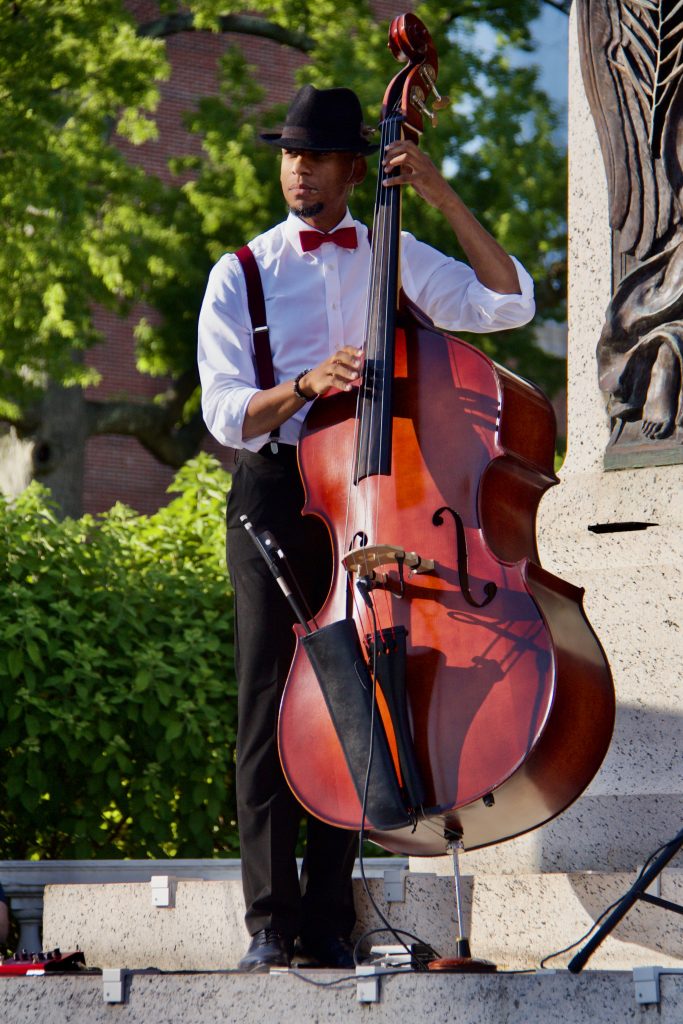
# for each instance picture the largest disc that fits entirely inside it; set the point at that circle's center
(117, 689)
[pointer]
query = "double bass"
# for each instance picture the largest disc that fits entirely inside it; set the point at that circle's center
(445, 658)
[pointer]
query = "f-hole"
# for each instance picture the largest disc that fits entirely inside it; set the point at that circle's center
(359, 540)
(490, 588)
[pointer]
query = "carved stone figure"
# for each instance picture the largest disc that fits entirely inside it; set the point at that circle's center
(632, 64)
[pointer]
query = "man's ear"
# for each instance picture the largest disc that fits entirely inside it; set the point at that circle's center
(360, 169)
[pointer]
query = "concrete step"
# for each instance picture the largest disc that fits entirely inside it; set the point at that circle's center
(514, 921)
(593, 997)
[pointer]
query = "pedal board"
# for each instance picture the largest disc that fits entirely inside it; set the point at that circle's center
(33, 964)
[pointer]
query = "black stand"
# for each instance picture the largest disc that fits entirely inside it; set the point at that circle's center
(636, 892)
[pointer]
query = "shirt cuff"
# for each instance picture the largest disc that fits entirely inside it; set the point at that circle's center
(224, 416)
(508, 309)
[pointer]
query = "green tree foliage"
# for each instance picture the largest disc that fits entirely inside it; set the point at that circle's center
(117, 693)
(74, 214)
(85, 226)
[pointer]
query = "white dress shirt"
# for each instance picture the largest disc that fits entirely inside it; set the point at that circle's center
(315, 304)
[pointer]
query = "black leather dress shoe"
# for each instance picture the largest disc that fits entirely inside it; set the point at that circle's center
(327, 951)
(268, 948)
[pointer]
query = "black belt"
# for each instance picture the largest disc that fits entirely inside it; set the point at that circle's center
(282, 453)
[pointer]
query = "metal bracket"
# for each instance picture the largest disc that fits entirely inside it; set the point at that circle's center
(646, 980)
(367, 983)
(114, 984)
(395, 885)
(163, 890)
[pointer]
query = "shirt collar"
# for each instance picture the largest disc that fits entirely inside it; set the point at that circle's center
(294, 224)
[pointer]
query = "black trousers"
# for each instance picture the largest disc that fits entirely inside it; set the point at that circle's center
(267, 488)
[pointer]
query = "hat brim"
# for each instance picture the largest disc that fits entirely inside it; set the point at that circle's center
(287, 142)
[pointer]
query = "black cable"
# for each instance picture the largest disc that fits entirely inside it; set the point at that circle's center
(364, 589)
(586, 935)
(402, 931)
(598, 921)
(346, 981)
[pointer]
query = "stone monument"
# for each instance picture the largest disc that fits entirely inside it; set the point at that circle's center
(632, 67)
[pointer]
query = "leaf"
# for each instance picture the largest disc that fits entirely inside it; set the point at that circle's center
(15, 662)
(173, 730)
(29, 799)
(143, 678)
(105, 729)
(150, 711)
(163, 693)
(34, 654)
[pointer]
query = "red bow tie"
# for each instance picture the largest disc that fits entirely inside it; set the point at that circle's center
(346, 237)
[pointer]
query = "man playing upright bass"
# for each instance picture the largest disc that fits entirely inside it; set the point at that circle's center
(313, 269)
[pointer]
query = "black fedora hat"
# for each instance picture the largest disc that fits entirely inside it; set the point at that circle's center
(326, 120)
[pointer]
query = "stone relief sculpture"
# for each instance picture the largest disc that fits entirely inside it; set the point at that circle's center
(632, 65)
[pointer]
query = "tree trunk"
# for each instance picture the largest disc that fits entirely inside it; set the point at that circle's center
(58, 454)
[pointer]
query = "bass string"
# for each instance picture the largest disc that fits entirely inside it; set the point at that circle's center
(388, 257)
(377, 313)
(390, 254)
(363, 503)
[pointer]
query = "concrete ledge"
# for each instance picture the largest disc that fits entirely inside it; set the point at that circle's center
(24, 881)
(284, 998)
(513, 921)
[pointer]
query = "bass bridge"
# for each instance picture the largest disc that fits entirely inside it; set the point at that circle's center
(371, 563)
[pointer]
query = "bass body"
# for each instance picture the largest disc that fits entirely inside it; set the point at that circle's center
(510, 699)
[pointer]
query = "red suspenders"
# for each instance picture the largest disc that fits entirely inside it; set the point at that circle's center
(259, 324)
(257, 312)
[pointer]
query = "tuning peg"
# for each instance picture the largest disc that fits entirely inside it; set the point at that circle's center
(427, 112)
(440, 102)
